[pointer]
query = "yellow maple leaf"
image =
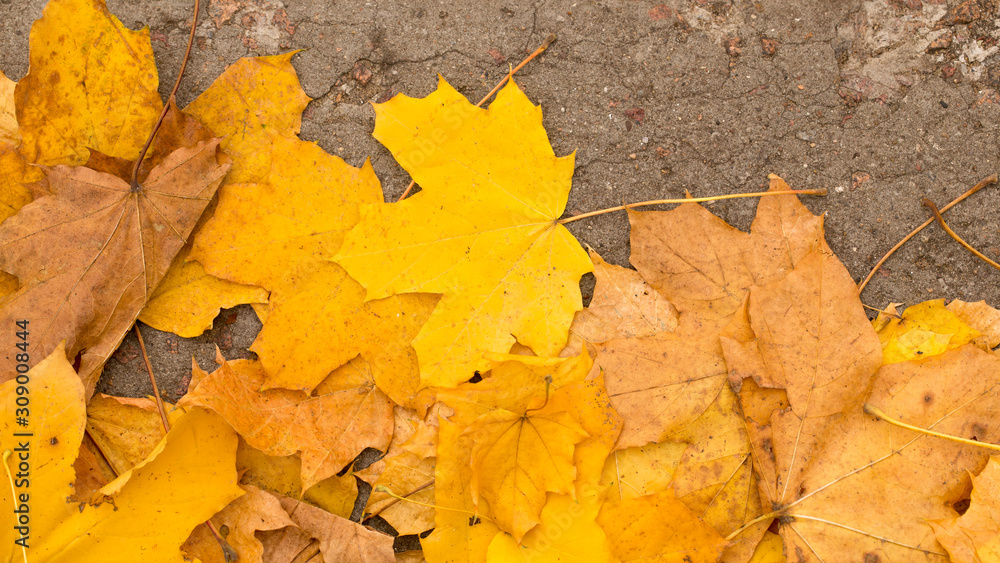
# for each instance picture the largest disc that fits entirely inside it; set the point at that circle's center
(255, 99)
(189, 477)
(517, 459)
(91, 84)
(483, 232)
(924, 330)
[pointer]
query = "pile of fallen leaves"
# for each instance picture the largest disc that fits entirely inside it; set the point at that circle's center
(726, 400)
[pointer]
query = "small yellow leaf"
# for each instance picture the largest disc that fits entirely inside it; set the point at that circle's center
(91, 84)
(275, 235)
(925, 329)
(483, 231)
(517, 458)
(188, 299)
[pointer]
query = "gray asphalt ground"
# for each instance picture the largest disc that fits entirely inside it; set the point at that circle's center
(882, 102)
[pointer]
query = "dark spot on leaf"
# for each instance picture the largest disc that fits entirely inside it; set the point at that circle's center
(54, 441)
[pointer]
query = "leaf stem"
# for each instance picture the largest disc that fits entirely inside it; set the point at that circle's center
(985, 182)
(821, 191)
(545, 45)
(13, 493)
(386, 490)
(156, 390)
(166, 107)
(395, 500)
(876, 412)
(937, 216)
(757, 520)
(548, 386)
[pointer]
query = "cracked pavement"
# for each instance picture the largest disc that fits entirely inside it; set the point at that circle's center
(882, 102)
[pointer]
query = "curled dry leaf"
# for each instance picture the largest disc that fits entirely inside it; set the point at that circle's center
(483, 232)
(255, 511)
(89, 255)
(340, 539)
(328, 430)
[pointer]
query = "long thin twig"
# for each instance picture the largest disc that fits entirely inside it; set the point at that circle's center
(937, 216)
(821, 191)
(986, 181)
(545, 45)
(875, 411)
(152, 379)
(166, 106)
